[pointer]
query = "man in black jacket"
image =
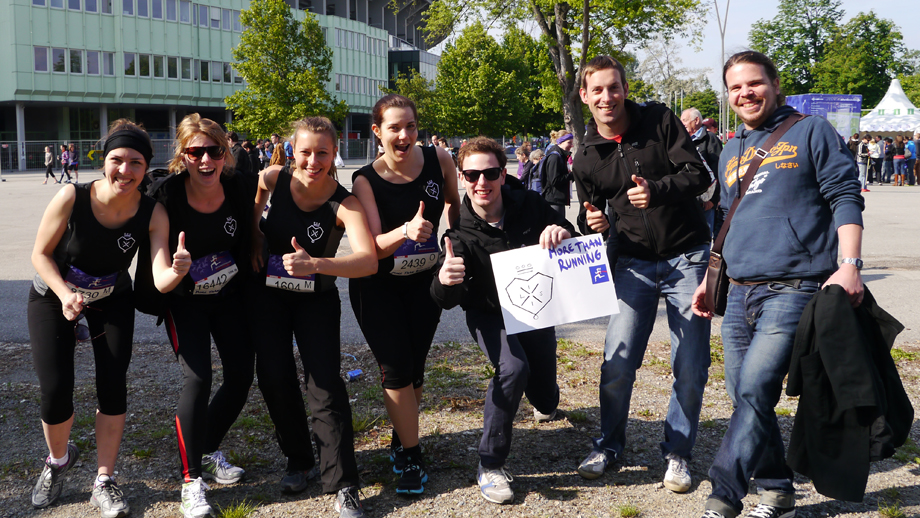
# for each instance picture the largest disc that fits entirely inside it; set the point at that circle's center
(243, 163)
(499, 214)
(640, 162)
(557, 180)
(710, 147)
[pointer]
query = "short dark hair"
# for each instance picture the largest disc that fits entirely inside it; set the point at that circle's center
(233, 136)
(483, 145)
(753, 57)
(599, 63)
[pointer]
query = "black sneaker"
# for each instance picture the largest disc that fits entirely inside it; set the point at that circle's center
(413, 478)
(50, 484)
(348, 504)
(297, 481)
(399, 458)
(769, 511)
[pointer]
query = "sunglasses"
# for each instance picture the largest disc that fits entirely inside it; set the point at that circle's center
(81, 329)
(491, 174)
(197, 152)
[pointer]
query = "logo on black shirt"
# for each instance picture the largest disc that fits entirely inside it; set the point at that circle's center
(314, 232)
(230, 226)
(432, 189)
(125, 242)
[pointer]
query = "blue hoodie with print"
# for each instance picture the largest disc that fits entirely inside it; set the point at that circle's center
(786, 224)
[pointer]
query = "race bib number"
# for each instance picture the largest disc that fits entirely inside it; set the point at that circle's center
(278, 277)
(212, 272)
(411, 257)
(92, 288)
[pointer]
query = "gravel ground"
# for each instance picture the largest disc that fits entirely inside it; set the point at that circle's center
(543, 459)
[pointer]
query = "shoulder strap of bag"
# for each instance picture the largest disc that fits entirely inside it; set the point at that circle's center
(762, 152)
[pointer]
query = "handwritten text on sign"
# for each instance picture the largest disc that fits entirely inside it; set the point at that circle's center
(539, 288)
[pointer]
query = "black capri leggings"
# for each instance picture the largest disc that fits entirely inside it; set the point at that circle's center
(111, 324)
(382, 305)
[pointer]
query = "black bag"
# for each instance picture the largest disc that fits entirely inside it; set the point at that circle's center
(717, 273)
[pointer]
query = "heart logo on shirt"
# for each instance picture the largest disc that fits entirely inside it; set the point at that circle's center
(432, 189)
(230, 226)
(314, 232)
(125, 242)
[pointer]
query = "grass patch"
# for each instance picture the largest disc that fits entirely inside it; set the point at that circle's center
(262, 423)
(83, 443)
(891, 510)
(655, 361)
(373, 393)
(84, 421)
(628, 511)
(363, 422)
(160, 433)
(564, 345)
(577, 417)
(239, 510)
(246, 460)
(708, 424)
(899, 355)
(487, 372)
(908, 453)
(785, 412)
(716, 352)
(718, 374)
(645, 412)
(142, 453)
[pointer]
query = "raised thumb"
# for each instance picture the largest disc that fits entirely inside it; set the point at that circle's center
(448, 248)
(638, 180)
(297, 247)
(589, 207)
(421, 210)
(181, 245)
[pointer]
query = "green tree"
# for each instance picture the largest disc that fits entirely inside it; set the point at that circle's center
(706, 101)
(863, 57)
(911, 86)
(422, 92)
(573, 33)
(286, 66)
(536, 83)
(797, 39)
(477, 88)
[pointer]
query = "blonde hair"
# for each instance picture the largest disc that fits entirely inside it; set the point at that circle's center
(192, 126)
(317, 125)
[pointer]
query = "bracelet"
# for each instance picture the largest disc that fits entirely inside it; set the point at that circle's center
(406, 230)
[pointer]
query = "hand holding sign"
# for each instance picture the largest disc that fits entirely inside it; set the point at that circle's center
(552, 236)
(419, 229)
(300, 263)
(72, 305)
(453, 269)
(182, 259)
(639, 195)
(595, 218)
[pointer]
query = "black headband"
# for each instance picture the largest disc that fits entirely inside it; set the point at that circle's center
(129, 139)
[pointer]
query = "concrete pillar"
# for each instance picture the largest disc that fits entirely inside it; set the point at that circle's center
(228, 117)
(172, 123)
(21, 134)
(103, 121)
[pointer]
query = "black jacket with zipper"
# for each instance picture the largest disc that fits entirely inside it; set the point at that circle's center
(656, 147)
(526, 215)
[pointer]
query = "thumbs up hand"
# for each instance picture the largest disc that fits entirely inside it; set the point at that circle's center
(639, 195)
(418, 228)
(595, 218)
(453, 269)
(182, 259)
(299, 263)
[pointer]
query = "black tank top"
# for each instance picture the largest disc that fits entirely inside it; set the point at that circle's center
(96, 250)
(398, 203)
(316, 231)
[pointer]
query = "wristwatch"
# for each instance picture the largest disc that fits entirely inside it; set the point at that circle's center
(855, 261)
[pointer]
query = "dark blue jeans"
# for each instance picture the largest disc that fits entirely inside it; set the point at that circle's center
(758, 332)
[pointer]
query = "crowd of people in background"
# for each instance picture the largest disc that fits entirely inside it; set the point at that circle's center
(886, 160)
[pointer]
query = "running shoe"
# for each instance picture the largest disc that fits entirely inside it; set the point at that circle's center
(677, 478)
(594, 465)
(109, 499)
(214, 466)
(494, 485)
(194, 503)
(412, 478)
(348, 503)
(50, 484)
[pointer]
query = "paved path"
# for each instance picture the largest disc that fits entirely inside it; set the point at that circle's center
(891, 250)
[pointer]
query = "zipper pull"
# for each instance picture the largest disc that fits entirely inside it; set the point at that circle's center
(638, 169)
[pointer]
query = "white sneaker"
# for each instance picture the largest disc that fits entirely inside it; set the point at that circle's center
(493, 485)
(677, 478)
(545, 418)
(194, 504)
(594, 465)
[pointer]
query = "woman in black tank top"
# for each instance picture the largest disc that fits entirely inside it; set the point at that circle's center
(405, 192)
(86, 240)
(310, 211)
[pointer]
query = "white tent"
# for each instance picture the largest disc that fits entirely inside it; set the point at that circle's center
(894, 113)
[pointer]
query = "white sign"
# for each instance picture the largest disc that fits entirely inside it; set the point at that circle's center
(540, 288)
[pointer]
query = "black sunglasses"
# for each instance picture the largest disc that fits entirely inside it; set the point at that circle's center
(491, 174)
(197, 152)
(81, 329)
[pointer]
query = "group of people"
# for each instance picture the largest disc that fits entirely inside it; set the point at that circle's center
(69, 160)
(885, 160)
(220, 261)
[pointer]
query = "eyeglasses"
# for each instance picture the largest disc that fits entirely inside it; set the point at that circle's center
(197, 152)
(81, 329)
(491, 174)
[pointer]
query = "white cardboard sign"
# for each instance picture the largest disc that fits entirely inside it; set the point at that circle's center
(539, 288)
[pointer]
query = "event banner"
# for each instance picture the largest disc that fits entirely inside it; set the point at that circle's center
(539, 288)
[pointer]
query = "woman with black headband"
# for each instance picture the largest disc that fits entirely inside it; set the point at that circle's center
(85, 243)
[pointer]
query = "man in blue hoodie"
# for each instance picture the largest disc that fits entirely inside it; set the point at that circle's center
(781, 248)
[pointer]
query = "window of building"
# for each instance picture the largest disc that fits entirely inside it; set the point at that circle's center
(158, 66)
(127, 7)
(76, 61)
(205, 65)
(90, 6)
(40, 3)
(156, 9)
(106, 6)
(108, 63)
(186, 68)
(185, 11)
(73, 5)
(142, 8)
(225, 19)
(195, 65)
(92, 62)
(172, 68)
(59, 60)
(170, 10)
(41, 59)
(338, 78)
(237, 78)
(144, 65)
(228, 75)
(202, 15)
(57, 3)
(353, 87)
(130, 64)
(237, 26)
(216, 71)
(215, 17)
